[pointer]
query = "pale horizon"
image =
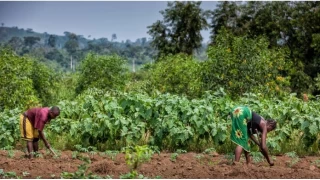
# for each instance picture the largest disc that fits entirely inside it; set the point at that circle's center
(98, 19)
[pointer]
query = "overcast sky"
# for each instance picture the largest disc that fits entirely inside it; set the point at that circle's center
(127, 19)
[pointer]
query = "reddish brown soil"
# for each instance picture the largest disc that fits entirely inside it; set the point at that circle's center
(188, 165)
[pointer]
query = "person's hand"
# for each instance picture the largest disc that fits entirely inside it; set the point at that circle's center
(48, 145)
(271, 163)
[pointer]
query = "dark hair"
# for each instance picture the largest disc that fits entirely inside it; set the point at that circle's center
(272, 123)
(55, 110)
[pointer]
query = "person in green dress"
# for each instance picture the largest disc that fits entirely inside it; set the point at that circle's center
(245, 124)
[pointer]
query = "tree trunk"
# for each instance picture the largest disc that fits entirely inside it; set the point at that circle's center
(133, 65)
(71, 62)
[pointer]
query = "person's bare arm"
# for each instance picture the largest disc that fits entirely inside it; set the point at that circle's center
(46, 143)
(263, 146)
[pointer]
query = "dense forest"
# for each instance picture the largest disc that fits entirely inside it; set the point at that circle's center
(67, 51)
(265, 50)
(59, 49)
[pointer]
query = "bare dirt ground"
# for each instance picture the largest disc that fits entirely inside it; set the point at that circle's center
(186, 166)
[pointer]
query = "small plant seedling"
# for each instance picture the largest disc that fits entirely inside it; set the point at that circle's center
(92, 150)
(8, 148)
(173, 157)
(75, 154)
(85, 158)
(316, 163)
(33, 153)
(140, 176)
(257, 157)
(112, 154)
(92, 153)
(80, 148)
(180, 151)
(199, 157)
(93, 176)
(155, 149)
(38, 155)
(209, 151)
(130, 175)
(293, 162)
(133, 175)
(10, 175)
(229, 157)
(294, 158)
(25, 173)
(213, 163)
(137, 155)
(65, 175)
(292, 154)
(80, 173)
(134, 157)
(107, 177)
(10, 153)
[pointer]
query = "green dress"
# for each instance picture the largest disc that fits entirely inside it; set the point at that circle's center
(240, 115)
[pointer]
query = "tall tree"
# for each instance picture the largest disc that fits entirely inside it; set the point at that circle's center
(223, 16)
(52, 41)
(72, 46)
(285, 24)
(160, 38)
(143, 41)
(29, 41)
(114, 37)
(15, 43)
(29, 30)
(241, 65)
(100, 71)
(24, 81)
(15, 85)
(180, 76)
(306, 23)
(179, 32)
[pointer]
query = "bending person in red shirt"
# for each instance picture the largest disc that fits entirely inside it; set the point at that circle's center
(32, 123)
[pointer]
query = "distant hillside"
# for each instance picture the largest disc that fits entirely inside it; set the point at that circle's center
(38, 45)
(6, 33)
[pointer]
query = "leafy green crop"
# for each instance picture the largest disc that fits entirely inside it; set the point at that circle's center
(108, 120)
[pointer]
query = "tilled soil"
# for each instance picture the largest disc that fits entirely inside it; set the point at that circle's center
(184, 166)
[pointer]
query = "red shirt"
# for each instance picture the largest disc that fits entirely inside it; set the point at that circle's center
(38, 117)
